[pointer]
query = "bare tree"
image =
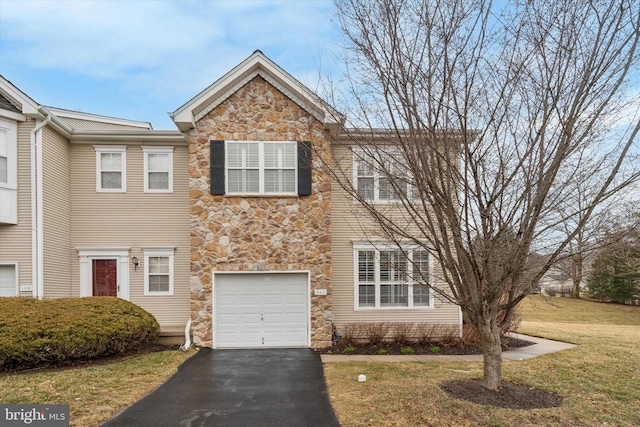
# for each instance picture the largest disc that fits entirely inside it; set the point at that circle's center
(492, 116)
(617, 213)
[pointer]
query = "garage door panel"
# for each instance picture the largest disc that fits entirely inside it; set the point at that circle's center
(261, 310)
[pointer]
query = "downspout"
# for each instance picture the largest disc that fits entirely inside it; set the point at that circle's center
(37, 252)
(187, 337)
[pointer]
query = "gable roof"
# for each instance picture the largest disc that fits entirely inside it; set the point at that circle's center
(257, 64)
(14, 97)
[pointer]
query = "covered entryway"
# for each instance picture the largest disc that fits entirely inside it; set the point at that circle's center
(104, 272)
(255, 310)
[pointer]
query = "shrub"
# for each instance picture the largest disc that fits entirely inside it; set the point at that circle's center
(402, 332)
(350, 333)
(430, 333)
(376, 332)
(67, 330)
(449, 336)
(349, 350)
(406, 350)
(382, 352)
(425, 333)
(435, 349)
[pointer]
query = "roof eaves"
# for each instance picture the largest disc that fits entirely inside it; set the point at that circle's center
(61, 112)
(131, 136)
(21, 100)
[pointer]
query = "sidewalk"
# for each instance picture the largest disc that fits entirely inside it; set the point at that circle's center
(541, 346)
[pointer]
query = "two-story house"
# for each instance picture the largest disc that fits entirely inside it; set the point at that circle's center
(232, 220)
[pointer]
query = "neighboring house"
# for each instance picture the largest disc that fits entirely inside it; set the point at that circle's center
(231, 221)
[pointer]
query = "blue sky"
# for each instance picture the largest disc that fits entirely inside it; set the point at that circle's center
(140, 59)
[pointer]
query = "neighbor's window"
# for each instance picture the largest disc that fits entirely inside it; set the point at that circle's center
(392, 278)
(8, 172)
(158, 271)
(158, 169)
(111, 169)
(379, 175)
(4, 161)
(8, 280)
(261, 167)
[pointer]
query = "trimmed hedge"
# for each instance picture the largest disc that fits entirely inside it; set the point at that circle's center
(63, 331)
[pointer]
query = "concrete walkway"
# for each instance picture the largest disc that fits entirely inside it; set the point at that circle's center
(541, 346)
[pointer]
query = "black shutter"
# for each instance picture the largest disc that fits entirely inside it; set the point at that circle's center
(216, 161)
(304, 168)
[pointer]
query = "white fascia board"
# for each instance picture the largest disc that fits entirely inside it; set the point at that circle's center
(256, 64)
(28, 106)
(132, 136)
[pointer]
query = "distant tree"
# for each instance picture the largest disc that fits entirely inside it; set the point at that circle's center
(600, 231)
(616, 274)
(492, 116)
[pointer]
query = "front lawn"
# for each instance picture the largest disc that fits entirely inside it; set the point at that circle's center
(598, 380)
(97, 393)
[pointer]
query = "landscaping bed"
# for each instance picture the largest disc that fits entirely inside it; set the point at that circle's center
(419, 349)
(402, 338)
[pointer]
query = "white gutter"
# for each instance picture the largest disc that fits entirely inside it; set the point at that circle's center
(187, 337)
(37, 252)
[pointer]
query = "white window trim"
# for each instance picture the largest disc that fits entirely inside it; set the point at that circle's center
(16, 275)
(157, 150)
(158, 252)
(360, 155)
(9, 189)
(261, 169)
(367, 246)
(87, 255)
(111, 149)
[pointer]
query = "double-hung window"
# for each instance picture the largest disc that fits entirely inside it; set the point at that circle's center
(158, 169)
(111, 167)
(261, 167)
(380, 176)
(388, 277)
(158, 271)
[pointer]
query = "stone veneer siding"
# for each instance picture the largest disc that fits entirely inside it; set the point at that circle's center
(230, 233)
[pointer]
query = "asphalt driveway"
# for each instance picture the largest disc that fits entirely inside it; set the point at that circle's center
(266, 387)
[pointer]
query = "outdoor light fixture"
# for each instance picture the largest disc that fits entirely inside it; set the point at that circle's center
(136, 263)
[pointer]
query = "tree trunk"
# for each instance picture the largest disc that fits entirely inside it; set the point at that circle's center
(492, 355)
(576, 274)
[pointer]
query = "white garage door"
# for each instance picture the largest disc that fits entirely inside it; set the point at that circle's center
(261, 310)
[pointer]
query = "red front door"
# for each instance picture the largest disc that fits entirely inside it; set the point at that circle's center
(105, 278)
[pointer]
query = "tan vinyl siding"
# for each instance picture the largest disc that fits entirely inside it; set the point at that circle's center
(135, 220)
(346, 228)
(56, 215)
(15, 239)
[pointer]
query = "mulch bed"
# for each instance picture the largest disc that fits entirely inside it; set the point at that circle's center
(448, 349)
(509, 395)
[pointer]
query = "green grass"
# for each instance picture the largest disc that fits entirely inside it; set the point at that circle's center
(598, 379)
(97, 393)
